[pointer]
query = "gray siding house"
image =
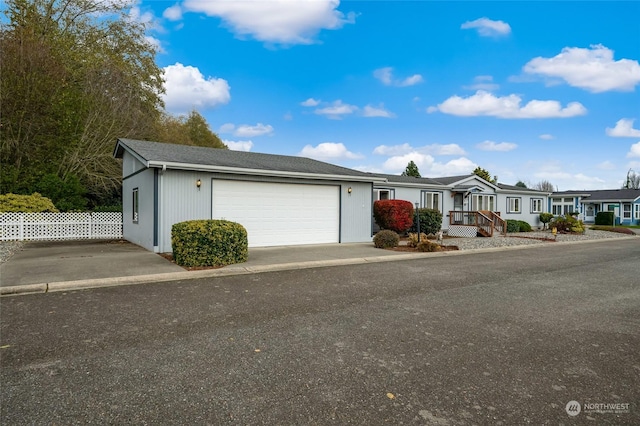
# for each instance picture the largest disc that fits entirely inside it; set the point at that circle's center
(469, 204)
(624, 203)
(280, 200)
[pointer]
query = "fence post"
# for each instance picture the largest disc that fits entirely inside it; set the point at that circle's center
(90, 225)
(21, 227)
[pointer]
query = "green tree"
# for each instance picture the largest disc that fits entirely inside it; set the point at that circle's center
(484, 174)
(76, 74)
(191, 129)
(411, 170)
(521, 184)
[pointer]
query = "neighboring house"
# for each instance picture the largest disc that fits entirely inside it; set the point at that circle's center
(280, 200)
(625, 203)
(468, 203)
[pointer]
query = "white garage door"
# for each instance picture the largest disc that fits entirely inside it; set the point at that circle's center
(277, 214)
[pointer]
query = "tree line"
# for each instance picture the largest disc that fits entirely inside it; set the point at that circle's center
(77, 75)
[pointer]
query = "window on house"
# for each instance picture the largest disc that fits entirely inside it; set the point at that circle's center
(536, 205)
(483, 202)
(514, 205)
(135, 205)
(562, 206)
(626, 211)
(383, 194)
(636, 211)
(431, 200)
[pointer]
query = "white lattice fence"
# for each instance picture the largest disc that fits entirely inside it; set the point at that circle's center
(60, 226)
(462, 231)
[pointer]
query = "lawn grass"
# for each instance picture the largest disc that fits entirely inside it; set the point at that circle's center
(619, 229)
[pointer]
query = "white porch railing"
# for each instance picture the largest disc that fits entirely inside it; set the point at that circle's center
(60, 226)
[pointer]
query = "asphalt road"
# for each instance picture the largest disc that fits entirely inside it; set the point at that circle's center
(494, 338)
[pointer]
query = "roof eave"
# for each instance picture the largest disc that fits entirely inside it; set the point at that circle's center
(260, 172)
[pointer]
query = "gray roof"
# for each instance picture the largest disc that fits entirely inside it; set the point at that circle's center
(604, 194)
(449, 180)
(519, 188)
(196, 155)
(406, 179)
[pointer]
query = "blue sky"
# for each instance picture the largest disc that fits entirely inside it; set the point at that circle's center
(530, 91)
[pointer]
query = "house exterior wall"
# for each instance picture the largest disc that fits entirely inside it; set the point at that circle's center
(179, 199)
(135, 176)
(355, 209)
(526, 214)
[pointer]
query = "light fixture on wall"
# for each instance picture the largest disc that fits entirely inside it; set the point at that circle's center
(349, 190)
(198, 183)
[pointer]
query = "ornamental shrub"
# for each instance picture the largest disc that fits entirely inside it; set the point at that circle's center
(413, 239)
(513, 225)
(396, 215)
(209, 243)
(524, 226)
(34, 203)
(386, 239)
(567, 224)
(604, 218)
(545, 218)
(428, 246)
(430, 221)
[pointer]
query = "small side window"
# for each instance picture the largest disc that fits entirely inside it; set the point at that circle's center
(135, 205)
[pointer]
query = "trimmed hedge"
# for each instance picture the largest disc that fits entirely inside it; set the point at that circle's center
(209, 243)
(396, 215)
(34, 203)
(386, 239)
(604, 218)
(518, 226)
(430, 221)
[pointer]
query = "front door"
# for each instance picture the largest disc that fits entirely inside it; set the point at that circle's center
(458, 199)
(589, 213)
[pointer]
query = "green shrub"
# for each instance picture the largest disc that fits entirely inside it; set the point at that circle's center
(67, 194)
(604, 218)
(209, 243)
(513, 225)
(413, 239)
(386, 239)
(567, 224)
(34, 203)
(396, 215)
(428, 246)
(430, 221)
(524, 226)
(545, 218)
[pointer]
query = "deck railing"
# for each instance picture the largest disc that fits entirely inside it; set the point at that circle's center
(486, 221)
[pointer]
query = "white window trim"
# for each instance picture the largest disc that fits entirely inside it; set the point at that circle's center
(514, 205)
(489, 199)
(537, 201)
(636, 212)
(434, 195)
(626, 214)
(135, 206)
(389, 192)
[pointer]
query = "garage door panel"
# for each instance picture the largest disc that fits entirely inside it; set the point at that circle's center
(279, 214)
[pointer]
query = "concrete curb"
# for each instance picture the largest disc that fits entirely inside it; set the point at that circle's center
(245, 270)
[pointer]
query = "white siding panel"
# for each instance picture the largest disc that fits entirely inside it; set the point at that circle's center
(276, 214)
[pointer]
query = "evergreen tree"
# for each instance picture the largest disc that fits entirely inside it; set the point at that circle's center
(411, 170)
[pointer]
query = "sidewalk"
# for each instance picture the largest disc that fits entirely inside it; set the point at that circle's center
(68, 265)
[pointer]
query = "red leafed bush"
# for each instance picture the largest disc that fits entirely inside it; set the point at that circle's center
(396, 215)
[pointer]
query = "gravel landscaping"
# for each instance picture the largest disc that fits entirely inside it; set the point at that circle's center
(527, 238)
(7, 248)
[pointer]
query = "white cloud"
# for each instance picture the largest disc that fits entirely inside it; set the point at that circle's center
(433, 149)
(624, 129)
(173, 13)
(546, 137)
(487, 27)
(310, 102)
(380, 111)
(227, 128)
(483, 82)
(634, 151)
(275, 21)
(328, 150)
(483, 103)
(495, 146)
(336, 110)
(428, 166)
(238, 145)
(606, 165)
(591, 69)
(186, 88)
(247, 131)
(385, 75)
